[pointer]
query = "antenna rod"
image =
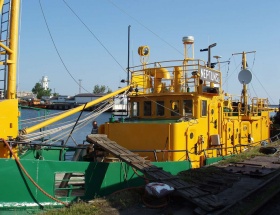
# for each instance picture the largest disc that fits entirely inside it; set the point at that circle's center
(209, 53)
(128, 52)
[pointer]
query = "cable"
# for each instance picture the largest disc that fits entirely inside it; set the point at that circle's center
(94, 36)
(30, 178)
(56, 49)
(145, 27)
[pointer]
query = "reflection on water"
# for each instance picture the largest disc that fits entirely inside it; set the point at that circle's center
(31, 117)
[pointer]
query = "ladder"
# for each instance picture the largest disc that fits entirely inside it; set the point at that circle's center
(4, 38)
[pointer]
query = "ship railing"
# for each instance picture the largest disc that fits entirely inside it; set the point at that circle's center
(234, 106)
(174, 76)
(236, 149)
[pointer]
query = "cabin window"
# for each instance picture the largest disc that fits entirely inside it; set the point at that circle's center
(135, 109)
(147, 108)
(204, 108)
(174, 108)
(160, 108)
(188, 107)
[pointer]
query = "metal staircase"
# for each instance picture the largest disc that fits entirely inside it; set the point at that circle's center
(5, 40)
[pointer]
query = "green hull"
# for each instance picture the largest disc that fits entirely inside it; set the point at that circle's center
(100, 178)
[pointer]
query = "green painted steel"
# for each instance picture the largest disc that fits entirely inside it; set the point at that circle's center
(54, 154)
(214, 160)
(18, 193)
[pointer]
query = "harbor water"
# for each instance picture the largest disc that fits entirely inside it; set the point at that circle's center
(30, 117)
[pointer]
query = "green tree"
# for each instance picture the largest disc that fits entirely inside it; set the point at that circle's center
(101, 89)
(40, 91)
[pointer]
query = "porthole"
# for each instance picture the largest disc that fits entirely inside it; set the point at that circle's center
(212, 111)
(191, 135)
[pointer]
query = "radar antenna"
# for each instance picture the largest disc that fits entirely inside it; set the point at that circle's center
(244, 77)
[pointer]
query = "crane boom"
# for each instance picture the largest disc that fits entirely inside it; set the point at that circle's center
(72, 111)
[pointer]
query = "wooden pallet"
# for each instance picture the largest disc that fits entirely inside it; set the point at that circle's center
(192, 193)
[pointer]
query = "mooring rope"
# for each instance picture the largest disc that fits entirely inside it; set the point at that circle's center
(30, 178)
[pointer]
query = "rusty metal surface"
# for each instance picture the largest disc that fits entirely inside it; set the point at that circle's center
(257, 166)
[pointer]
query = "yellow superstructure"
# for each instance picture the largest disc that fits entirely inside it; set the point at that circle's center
(9, 105)
(178, 111)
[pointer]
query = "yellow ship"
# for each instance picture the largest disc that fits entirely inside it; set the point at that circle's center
(178, 117)
(179, 111)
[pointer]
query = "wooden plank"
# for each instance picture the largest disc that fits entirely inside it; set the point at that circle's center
(191, 193)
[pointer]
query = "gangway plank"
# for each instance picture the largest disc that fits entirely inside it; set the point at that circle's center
(202, 199)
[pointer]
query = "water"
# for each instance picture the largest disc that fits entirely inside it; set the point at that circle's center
(29, 118)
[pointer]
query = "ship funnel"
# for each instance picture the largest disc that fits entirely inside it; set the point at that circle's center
(188, 41)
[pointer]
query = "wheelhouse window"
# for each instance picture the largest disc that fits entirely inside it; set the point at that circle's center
(160, 108)
(135, 109)
(204, 108)
(147, 108)
(188, 106)
(174, 108)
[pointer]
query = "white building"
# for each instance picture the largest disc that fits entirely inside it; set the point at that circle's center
(45, 82)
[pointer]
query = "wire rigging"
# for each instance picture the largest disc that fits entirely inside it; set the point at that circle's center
(145, 27)
(94, 36)
(56, 49)
(64, 130)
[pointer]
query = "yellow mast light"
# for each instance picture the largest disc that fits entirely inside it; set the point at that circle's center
(144, 50)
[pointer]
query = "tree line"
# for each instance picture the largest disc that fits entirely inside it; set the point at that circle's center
(40, 91)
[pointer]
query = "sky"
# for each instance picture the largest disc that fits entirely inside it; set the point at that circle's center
(90, 38)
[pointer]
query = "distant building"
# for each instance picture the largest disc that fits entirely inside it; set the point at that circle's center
(21, 94)
(83, 98)
(45, 82)
(62, 99)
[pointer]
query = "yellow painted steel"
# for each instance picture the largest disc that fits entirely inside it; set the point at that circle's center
(73, 111)
(1, 4)
(11, 88)
(215, 126)
(9, 124)
(177, 78)
(9, 107)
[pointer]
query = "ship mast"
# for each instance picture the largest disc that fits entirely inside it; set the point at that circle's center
(12, 50)
(244, 91)
(245, 78)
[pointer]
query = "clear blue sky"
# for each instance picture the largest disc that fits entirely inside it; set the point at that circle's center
(235, 26)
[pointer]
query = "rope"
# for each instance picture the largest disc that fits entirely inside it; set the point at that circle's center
(56, 49)
(89, 117)
(91, 32)
(33, 182)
